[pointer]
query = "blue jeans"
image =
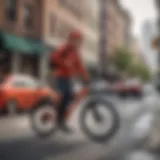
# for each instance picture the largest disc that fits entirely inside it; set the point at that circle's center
(64, 86)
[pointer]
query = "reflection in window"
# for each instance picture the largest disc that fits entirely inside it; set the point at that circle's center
(10, 11)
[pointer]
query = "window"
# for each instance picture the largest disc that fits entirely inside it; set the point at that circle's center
(53, 20)
(18, 83)
(24, 82)
(28, 16)
(11, 12)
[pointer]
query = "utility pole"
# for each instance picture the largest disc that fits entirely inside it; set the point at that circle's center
(103, 37)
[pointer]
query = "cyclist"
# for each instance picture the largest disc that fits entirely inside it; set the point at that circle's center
(66, 64)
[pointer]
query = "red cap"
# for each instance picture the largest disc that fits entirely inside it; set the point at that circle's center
(76, 35)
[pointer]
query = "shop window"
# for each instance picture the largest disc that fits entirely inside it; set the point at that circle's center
(11, 10)
(28, 16)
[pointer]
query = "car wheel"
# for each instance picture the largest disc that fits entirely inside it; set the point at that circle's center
(11, 107)
(123, 94)
(137, 94)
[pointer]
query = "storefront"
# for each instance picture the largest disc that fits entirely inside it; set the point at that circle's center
(5, 61)
(29, 64)
(21, 55)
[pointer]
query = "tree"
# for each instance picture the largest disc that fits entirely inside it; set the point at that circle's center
(133, 70)
(124, 61)
(139, 69)
(121, 59)
(144, 72)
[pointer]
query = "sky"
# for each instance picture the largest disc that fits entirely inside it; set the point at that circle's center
(140, 10)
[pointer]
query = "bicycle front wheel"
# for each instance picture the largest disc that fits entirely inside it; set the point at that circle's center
(99, 120)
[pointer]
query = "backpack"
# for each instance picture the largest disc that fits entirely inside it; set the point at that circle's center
(53, 65)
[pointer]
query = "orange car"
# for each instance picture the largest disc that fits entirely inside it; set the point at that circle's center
(22, 92)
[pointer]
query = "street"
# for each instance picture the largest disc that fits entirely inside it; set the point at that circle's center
(111, 48)
(18, 141)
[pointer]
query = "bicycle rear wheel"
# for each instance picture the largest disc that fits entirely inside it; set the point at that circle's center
(44, 119)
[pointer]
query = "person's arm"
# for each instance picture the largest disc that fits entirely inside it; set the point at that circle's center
(81, 70)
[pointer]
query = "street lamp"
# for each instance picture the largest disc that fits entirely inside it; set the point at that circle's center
(103, 36)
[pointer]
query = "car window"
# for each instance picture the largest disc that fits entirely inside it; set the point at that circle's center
(24, 82)
(19, 83)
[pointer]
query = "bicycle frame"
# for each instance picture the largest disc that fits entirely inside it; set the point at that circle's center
(77, 98)
(73, 105)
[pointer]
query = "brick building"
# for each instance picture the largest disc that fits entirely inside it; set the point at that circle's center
(118, 26)
(20, 35)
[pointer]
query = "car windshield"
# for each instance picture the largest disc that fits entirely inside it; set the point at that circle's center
(23, 81)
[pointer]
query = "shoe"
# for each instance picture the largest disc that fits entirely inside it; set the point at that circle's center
(66, 129)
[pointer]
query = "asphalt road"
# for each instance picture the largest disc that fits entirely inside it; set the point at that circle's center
(18, 141)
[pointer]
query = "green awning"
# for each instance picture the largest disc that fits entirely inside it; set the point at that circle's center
(37, 46)
(14, 43)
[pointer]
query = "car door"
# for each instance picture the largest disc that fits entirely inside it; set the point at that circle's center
(30, 92)
(24, 91)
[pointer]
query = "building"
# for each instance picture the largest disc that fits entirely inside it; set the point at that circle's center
(30, 22)
(118, 26)
(61, 17)
(20, 36)
(148, 33)
(127, 28)
(135, 47)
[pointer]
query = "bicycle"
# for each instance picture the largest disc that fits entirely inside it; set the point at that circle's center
(44, 115)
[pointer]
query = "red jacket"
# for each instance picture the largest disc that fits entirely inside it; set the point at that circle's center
(70, 55)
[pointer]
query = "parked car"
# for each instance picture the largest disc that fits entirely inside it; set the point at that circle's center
(21, 93)
(129, 88)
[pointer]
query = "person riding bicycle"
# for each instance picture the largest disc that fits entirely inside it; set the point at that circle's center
(67, 64)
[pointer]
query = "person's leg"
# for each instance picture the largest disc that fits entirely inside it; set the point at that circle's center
(65, 101)
(65, 88)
